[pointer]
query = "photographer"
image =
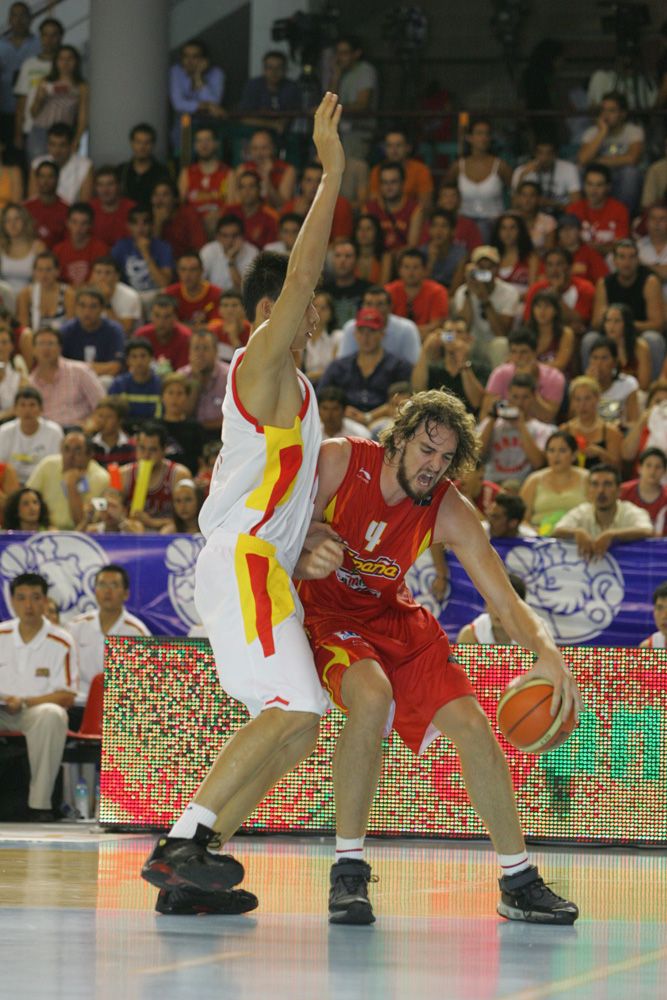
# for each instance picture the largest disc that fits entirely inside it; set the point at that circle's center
(511, 440)
(444, 363)
(488, 306)
(549, 381)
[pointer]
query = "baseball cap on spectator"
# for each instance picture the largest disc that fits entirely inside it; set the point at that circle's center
(370, 319)
(569, 220)
(485, 252)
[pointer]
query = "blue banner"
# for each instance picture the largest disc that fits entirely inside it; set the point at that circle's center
(605, 602)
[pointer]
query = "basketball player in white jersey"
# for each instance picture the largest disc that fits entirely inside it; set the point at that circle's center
(255, 521)
(488, 627)
(659, 639)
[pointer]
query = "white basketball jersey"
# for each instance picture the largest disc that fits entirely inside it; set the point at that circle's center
(657, 641)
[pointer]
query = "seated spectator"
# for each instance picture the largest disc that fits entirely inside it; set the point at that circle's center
(332, 404)
(355, 81)
(555, 341)
(512, 440)
(619, 400)
(445, 256)
(416, 297)
(549, 493)
(122, 303)
(618, 145)
(586, 262)
(32, 71)
(444, 363)
(188, 501)
(506, 517)
(479, 491)
(110, 617)
(652, 248)
(196, 88)
(139, 175)
(231, 327)
(260, 222)
(604, 519)
(18, 246)
(46, 299)
(39, 683)
(68, 480)
(540, 225)
(418, 178)
(487, 305)
(549, 381)
(46, 207)
(277, 177)
(487, 628)
(397, 394)
(226, 258)
(343, 219)
(659, 638)
(146, 263)
(655, 182)
(61, 96)
(400, 216)
(209, 378)
(80, 248)
(401, 336)
(52, 611)
(374, 263)
(518, 260)
(647, 490)
(110, 444)
(29, 438)
(289, 228)
(178, 225)
(139, 386)
(207, 184)
(272, 91)
(12, 373)
(366, 375)
(576, 294)
(75, 172)
(91, 338)
(558, 180)
(207, 462)
(169, 339)
(196, 299)
(69, 389)
(634, 355)
(157, 508)
(465, 231)
(110, 207)
(322, 347)
(482, 178)
(650, 431)
(185, 436)
(597, 439)
(345, 289)
(603, 219)
(26, 511)
(108, 515)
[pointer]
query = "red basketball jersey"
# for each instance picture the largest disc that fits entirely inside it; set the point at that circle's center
(208, 192)
(381, 543)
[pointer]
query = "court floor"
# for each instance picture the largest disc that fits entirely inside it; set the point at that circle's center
(76, 921)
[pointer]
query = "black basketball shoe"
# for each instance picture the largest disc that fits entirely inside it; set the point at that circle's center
(348, 896)
(185, 902)
(179, 861)
(525, 896)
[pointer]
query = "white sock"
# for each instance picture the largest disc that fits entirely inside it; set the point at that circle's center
(512, 864)
(350, 849)
(186, 825)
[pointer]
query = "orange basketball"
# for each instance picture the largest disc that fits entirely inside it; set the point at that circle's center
(524, 718)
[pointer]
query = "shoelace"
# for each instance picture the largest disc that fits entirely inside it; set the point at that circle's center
(539, 889)
(215, 843)
(353, 883)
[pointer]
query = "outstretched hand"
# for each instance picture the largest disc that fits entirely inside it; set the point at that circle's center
(325, 134)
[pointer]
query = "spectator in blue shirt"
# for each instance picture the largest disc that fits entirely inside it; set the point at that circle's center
(146, 264)
(16, 45)
(90, 337)
(272, 91)
(195, 87)
(139, 386)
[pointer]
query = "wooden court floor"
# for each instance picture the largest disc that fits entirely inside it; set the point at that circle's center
(77, 922)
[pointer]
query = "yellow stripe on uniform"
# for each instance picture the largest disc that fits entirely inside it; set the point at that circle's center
(340, 658)
(276, 439)
(426, 543)
(277, 585)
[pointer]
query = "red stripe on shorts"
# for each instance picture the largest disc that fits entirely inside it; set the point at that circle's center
(258, 570)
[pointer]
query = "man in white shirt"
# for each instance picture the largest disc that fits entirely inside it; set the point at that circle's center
(38, 683)
(401, 336)
(603, 519)
(226, 258)
(25, 441)
(332, 403)
(32, 72)
(75, 180)
(559, 180)
(123, 303)
(112, 590)
(488, 305)
(511, 440)
(487, 628)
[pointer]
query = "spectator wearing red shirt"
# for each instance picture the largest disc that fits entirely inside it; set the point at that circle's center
(47, 209)
(586, 262)
(178, 225)
(110, 208)
(415, 296)
(576, 294)
(466, 230)
(647, 491)
(604, 220)
(80, 249)
(277, 178)
(208, 184)
(260, 223)
(196, 300)
(343, 218)
(169, 338)
(401, 217)
(231, 328)
(418, 177)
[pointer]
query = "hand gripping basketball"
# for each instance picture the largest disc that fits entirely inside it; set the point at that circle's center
(525, 719)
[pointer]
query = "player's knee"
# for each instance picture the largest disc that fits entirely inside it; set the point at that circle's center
(52, 716)
(290, 726)
(464, 722)
(369, 693)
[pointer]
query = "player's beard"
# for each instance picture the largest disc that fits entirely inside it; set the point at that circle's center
(418, 496)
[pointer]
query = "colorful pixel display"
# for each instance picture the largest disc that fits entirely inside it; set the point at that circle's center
(165, 718)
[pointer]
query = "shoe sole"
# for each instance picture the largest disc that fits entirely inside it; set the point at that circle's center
(356, 913)
(240, 902)
(162, 876)
(562, 918)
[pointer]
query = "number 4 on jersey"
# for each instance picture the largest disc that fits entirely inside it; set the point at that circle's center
(374, 533)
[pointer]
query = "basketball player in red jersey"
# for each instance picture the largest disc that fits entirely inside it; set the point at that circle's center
(255, 521)
(376, 649)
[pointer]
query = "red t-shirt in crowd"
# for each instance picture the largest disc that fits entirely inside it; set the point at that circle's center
(602, 225)
(176, 350)
(431, 302)
(111, 226)
(184, 231)
(76, 265)
(50, 220)
(208, 192)
(579, 296)
(343, 217)
(656, 510)
(395, 224)
(276, 174)
(187, 308)
(259, 228)
(486, 495)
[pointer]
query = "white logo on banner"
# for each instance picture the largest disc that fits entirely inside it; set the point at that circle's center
(419, 579)
(68, 562)
(180, 560)
(579, 599)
